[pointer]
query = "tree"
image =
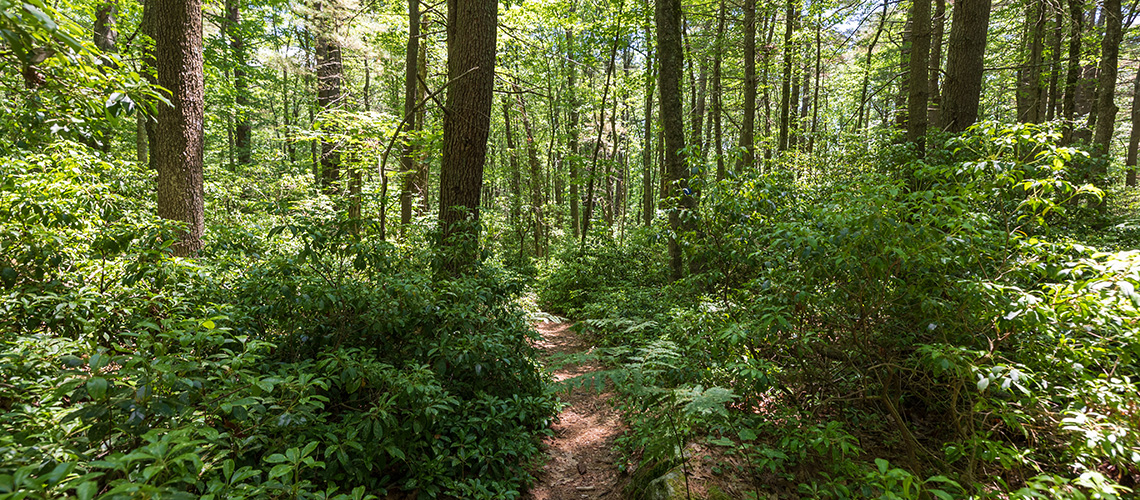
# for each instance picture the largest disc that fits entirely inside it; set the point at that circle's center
(177, 146)
(748, 123)
(411, 95)
(471, 32)
(964, 64)
(1106, 90)
(1134, 136)
(105, 38)
(330, 72)
(669, 60)
(243, 131)
(919, 93)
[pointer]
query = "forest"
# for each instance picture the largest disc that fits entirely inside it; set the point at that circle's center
(564, 249)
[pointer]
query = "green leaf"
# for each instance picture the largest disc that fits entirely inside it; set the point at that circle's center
(97, 388)
(942, 495)
(87, 490)
(722, 441)
(280, 470)
(746, 435)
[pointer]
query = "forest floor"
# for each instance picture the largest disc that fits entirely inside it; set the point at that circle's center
(582, 462)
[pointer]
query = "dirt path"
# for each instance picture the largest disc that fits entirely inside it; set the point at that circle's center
(582, 462)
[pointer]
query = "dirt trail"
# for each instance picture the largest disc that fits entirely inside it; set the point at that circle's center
(582, 462)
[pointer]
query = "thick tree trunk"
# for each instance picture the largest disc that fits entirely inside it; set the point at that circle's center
(964, 64)
(178, 141)
(919, 92)
(648, 208)
(420, 190)
(669, 56)
(471, 32)
(411, 96)
(1106, 108)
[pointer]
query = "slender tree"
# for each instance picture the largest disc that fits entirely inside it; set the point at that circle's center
(647, 206)
(937, 31)
(411, 96)
(330, 74)
(1073, 74)
(243, 130)
(748, 122)
(1134, 136)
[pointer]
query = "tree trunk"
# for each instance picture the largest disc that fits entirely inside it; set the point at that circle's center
(1073, 76)
(939, 28)
(572, 132)
(669, 56)
(243, 131)
(648, 209)
(536, 177)
(330, 73)
(1030, 92)
(105, 38)
(964, 64)
(1051, 109)
(859, 123)
(515, 184)
(471, 33)
(420, 190)
(1134, 137)
(178, 140)
(411, 96)
(815, 87)
(717, 99)
(786, 100)
(1106, 108)
(919, 93)
(748, 122)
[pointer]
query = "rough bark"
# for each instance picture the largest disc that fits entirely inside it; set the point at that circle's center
(1134, 136)
(178, 140)
(572, 132)
(411, 96)
(964, 64)
(647, 206)
(669, 57)
(105, 38)
(1106, 108)
(243, 131)
(1030, 92)
(748, 123)
(936, 34)
(1054, 102)
(1073, 75)
(330, 73)
(786, 99)
(471, 33)
(919, 92)
(717, 99)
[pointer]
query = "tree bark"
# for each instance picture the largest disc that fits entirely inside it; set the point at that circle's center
(919, 93)
(1106, 108)
(1051, 109)
(939, 28)
(411, 97)
(536, 177)
(648, 208)
(748, 122)
(717, 99)
(105, 38)
(964, 63)
(1073, 76)
(572, 132)
(471, 33)
(243, 131)
(786, 100)
(330, 73)
(1030, 92)
(1134, 137)
(178, 140)
(669, 57)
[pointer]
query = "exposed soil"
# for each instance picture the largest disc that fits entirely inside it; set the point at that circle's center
(582, 463)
